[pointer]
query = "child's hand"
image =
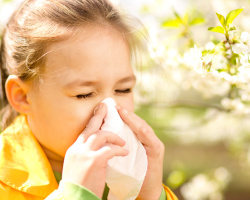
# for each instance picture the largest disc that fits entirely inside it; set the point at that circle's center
(86, 160)
(152, 185)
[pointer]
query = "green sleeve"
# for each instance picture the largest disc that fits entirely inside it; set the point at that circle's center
(71, 191)
(163, 195)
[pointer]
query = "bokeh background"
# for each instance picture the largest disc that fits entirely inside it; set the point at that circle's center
(207, 147)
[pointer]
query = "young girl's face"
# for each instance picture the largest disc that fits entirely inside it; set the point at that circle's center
(79, 74)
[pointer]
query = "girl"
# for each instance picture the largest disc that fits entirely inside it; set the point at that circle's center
(60, 59)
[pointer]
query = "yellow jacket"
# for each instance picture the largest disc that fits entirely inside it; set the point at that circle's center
(25, 172)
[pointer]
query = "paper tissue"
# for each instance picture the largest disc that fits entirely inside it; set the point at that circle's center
(125, 175)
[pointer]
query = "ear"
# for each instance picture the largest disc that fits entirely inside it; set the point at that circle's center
(16, 91)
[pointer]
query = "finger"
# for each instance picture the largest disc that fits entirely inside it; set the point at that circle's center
(142, 130)
(94, 124)
(109, 151)
(100, 138)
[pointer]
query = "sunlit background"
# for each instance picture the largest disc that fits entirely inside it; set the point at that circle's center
(207, 144)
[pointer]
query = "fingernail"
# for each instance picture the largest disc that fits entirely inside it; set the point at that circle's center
(125, 111)
(124, 143)
(98, 107)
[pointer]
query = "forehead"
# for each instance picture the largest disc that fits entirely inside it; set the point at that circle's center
(90, 50)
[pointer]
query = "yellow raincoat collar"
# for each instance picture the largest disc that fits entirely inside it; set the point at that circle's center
(23, 164)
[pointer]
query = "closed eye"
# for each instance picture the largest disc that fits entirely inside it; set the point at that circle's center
(84, 96)
(124, 91)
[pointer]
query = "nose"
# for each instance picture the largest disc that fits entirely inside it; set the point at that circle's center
(112, 97)
(126, 101)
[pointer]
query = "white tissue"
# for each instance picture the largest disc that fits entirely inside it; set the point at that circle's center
(125, 175)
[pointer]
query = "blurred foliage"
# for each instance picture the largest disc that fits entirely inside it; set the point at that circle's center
(184, 24)
(195, 96)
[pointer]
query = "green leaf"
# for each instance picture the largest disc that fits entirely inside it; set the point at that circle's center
(177, 15)
(215, 41)
(204, 52)
(221, 19)
(232, 15)
(196, 21)
(185, 18)
(232, 28)
(217, 29)
(176, 178)
(172, 23)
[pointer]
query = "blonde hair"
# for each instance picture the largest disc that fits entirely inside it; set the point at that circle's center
(38, 23)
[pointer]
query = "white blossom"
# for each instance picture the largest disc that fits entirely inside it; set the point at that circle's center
(244, 60)
(209, 46)
(199, 188)
(245, 97)
(245, 93)
(203, 187)
(240, 48)
(244, 74)
(222, 175)
(244, 45)
(207, 85)
(245, 37)
(193, 59)
(219, 62)
(208, 58)
(236, 105)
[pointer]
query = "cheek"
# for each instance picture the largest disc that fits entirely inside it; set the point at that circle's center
(128, 104)
(59, 129)
(130, 107)
(57, 124)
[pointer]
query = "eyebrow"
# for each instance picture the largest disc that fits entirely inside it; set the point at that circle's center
(128, 79)
(82, 83)
(79, 83)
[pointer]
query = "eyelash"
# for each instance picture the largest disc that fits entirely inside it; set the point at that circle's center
(85, 96)
(124, 91)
